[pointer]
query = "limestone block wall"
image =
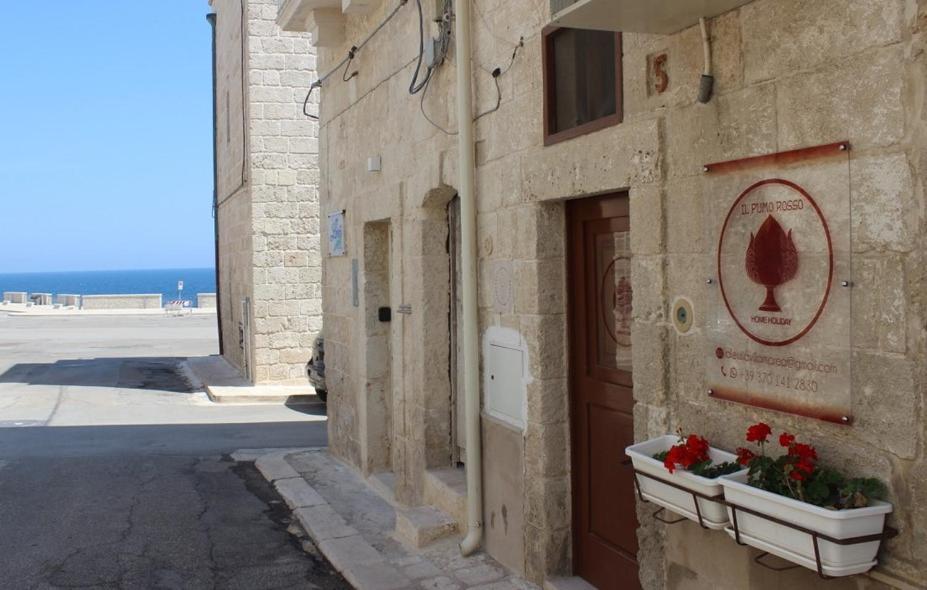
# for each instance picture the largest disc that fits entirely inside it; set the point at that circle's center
(15, 296)
(788, 74)
(206, 300)
(67, 300)
(283, 145)
(268, 213)
(135, 301)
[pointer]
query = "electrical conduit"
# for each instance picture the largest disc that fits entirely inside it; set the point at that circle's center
(465, 149)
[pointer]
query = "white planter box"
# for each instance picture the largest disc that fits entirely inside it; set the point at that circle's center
(714, 515)
(797, 546)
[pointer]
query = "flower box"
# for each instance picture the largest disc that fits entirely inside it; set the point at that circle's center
(798, 544)
(651, 474)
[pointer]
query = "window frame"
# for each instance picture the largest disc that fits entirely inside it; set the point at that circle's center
(550, 99)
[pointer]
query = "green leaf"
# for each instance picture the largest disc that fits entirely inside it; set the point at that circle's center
(707, 469)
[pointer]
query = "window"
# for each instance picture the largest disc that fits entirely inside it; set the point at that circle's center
(582, 82)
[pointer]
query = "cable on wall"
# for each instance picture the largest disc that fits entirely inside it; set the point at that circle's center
(345, 77)
(495, 73)
(415, 86)
(421, 106)
(420, 78)
(350, 57)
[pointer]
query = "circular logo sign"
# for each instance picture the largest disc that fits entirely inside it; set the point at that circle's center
(775, 262)
(683, 315)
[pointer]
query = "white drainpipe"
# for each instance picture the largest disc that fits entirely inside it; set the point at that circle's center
(465, 149)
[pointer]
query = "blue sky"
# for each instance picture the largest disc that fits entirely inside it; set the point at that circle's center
(105, 135)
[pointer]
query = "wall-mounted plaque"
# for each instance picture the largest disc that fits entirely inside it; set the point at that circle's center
(336, 234)
(778, 323)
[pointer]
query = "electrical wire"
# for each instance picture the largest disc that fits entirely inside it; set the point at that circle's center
(496, 73)
(444, 41)
(489, 29)
(420, 82)
(347, 58)
(495, 79)
(521, 43)
(421, 105)
(415, 86)
(345, 77)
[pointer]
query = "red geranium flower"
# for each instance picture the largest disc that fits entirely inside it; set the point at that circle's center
(805, 466)
(758, 432)
(803, 451)
(672, 457)
(786, 439)
(697, 448)
(744, 456)
(691, 450)
(797, 475)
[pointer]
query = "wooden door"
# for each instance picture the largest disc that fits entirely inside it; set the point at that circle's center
(601, 395)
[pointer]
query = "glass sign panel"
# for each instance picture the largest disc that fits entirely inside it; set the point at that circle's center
(778, 325)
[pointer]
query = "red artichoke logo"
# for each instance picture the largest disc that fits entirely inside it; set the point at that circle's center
(771, 260)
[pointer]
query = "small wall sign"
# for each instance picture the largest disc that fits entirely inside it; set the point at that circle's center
(336, 245)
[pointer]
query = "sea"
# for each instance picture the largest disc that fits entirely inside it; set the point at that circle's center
(116, 282)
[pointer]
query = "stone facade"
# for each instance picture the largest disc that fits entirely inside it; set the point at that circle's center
(267, 194)
(789, 74)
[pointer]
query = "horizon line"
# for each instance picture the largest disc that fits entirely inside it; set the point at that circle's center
(31, 272)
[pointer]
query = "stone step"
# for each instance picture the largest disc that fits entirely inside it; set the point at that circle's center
(423, 525)
(446, 488)
(225, 385)
(263, 394)
(567, 583)
(384, 484)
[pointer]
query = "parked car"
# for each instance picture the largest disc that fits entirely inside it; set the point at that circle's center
(315, 368)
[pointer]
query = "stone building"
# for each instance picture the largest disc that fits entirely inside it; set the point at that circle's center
(595, 179)
(268, 259)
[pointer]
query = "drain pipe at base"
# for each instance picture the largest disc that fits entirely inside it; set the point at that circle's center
(471, 376)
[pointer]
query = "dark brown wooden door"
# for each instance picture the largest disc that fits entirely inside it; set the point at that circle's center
(601, 395)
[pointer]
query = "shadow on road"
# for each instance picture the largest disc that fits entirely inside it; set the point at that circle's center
(312, 408)
(157, 373)
(168, 439)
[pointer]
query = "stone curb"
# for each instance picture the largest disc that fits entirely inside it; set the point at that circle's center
(273, 466)
(343, 546)
(251, 455)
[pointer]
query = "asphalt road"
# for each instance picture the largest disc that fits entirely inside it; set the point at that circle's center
(114, 475)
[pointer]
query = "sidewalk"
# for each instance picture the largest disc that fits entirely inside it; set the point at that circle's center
(224, 385)
(353, 527)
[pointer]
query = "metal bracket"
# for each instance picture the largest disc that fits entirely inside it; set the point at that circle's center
(887, 531)
(695, 496)
(759, 561)
(656, 515)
